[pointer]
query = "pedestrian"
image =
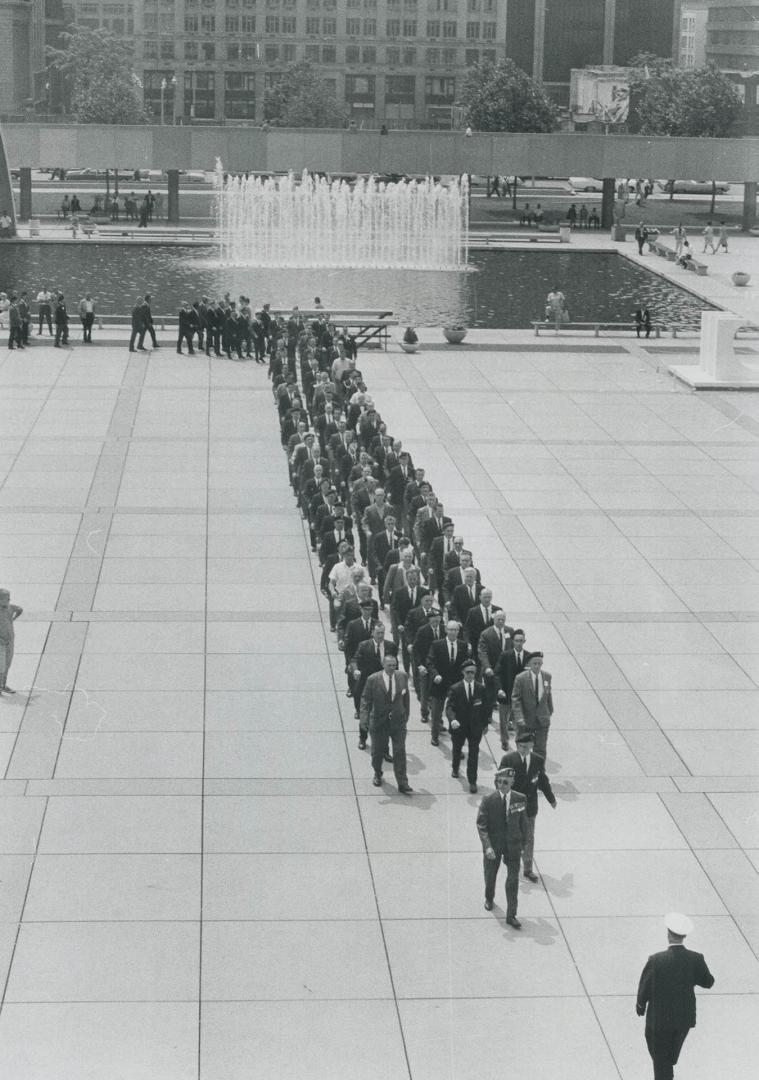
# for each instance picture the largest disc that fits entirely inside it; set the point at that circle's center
(45, 310)
(467, 715)
(148, 319)
(65, 207)
(384, 712)
(8, 614)
(722, 241)
(158, 204)
(24, 315)
(532, 702)
(686, 256)
(87, 317)
(138, 326)
(444, 660)
(187, 327)
(642, 320)
(150, 203)
(583, 215)
(529, 776)
(666, 995)
(526, 215)
(76, 206)
(538, 216)
(572, 216)
(680, 236)
(14, 324)
(594, 221)
(6, 224)
(556, 307)
(143, 222)
(502, 827)
(61, 320)
(641, 235)
(708, 235)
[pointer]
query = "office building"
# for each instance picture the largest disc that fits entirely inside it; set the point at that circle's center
(732, 43)
(692, 43)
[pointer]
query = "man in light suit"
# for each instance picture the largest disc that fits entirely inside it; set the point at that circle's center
(502, 828)
(385, 711)
(466, 711)
(532, 702)
(493, 642)
(529, 776)
(666, 997)
(368, 659)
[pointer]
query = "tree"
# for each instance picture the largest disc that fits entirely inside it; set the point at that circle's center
(300, 98)
(98, 68)
(501, 97)
(668, 100)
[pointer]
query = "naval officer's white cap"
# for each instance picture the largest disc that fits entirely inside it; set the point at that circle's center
(678, 924)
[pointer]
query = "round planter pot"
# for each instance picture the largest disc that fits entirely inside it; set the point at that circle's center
(741, 278)
(453, 337)
(408, 347)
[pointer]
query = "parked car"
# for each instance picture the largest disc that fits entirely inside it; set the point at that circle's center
(194, 176)
(584, 183)
(693, 187)
(152, 176)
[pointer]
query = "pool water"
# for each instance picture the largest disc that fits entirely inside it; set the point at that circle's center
(501, 289)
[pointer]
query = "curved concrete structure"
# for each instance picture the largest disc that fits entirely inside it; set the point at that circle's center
(6, 191)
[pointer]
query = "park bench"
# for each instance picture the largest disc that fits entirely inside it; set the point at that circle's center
(668, 252)
(596, 327)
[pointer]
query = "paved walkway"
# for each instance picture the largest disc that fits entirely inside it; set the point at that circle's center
(198, 880)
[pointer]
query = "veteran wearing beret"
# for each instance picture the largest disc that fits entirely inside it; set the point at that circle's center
(502, 825)
(666, 995)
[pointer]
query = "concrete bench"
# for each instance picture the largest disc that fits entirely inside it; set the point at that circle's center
(698, 267)
(596, 327)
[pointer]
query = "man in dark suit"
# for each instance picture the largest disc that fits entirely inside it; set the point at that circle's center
(532, 702)
(490, 648)
(367, 660)
(466, 711)
(402, 602)
(666, 997)
(384, 713)
(529, 775)
(380, 545)
(502, 828)
(479, 618)
(440, 547)
(455, 576)
(444, 662)
(512, 663)
(465, 596)
(425, 637)
(398, 478)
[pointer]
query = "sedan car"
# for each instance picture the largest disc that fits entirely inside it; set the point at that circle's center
(194, 176)
(693, 187)
(585, 183)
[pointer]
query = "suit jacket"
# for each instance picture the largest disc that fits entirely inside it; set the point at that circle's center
(439, 663)
(351, 611)
(402, 604)
(396, 482)
(505, 836)
(415, 619)
(423, 641)
(438, 553)
(355, 633)
(666, 988)
(373, 520)
(474, 624)
(453, 579)
(527, 711)
(430, 528)
(471, 715)
(329, 542)
(366, 660)
(489, 650)
(377, 709)
(529, 780)
(461, 602)
(395, 579)
(508, 669)
(380, 545)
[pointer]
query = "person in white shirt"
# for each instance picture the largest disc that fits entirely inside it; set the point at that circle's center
(45, 310)
(87, 317)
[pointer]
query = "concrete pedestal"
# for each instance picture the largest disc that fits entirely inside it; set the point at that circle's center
(719, 366)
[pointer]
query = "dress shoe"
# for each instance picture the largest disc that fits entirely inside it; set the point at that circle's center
(377, 779)
(405, 789)
(455, 774)
(531, 876)
(362, 744)
(472, 789)
(488, 905)
(434, 742)
(356, 716)
(512, 920)
(425, 719)
(388, 758)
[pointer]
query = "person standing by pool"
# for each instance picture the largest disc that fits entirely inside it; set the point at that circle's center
(556, 309)
(45, 311)
(8, 614)
(87, 317)
(708, 235)
(61, 319)
(641, 235)
(572, 216)
(722, 242)
(642, 320)
(583, 216)
(680, 236)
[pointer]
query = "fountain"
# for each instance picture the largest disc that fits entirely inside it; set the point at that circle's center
(310, 221)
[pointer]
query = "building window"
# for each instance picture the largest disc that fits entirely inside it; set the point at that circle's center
(233, 51)
(359, 89)
(288, 24)
(248, 24)
(353, 27)
(167, 50)
(248, 51)
(272, 24)
(439, 89)
(232, 24)
(271, 54)
(472, 31)
(488, 56)
(393, 28)
(166, 22)
(370, 27)
(449, 57)
(150, 50)
(409, 27)
(471, 56)
(208, 24)
(433, 28)
(329, 54)
(392, 55)
(488, 31)
(400, 88)
(190, 50)
(368, 54)
(191, 24)
(312, 53)
(741, 91)
(473, 5)
(199, 94)
(488, 6)
(239, 95)
(409, 56)
(150, 22)
(288, 53)
(312, 25)
(449, 29)
(432, 57)
(329, 27)
(393, 5)
(351, 54)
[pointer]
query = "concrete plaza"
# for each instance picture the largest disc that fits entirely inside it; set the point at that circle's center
(197, 878)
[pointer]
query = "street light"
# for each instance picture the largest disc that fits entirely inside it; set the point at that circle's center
(172, 82)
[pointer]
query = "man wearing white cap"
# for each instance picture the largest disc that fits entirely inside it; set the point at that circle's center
(666, 997)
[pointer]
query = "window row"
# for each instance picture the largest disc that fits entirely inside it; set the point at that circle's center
(270, 53)
(287, 24)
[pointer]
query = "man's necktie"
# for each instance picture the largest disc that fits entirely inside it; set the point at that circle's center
(469, 691)
(503, 643)
(537, 697)
(390, 687)
(471, 595)
(450, 649)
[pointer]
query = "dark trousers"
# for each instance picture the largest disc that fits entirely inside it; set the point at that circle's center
(15, 335)
(87, 322)
(61, 333)
(491, 867)
(664, 1048)
(45, 316)
(381, 736)
(151, 330)
(459, 736)
(138, 335)
(436, 711)
(259, 347)
(185, 335)
(213, 340)
(25, 331)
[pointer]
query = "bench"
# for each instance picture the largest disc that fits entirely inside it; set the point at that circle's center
(496, 239)
(364, 331)
(596, 327)
(669, 253)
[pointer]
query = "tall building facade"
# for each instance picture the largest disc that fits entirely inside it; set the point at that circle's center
(732, 43)
(692, 43)
(22, 53)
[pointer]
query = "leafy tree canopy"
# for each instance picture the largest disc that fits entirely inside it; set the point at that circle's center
(300, 98)
(668, 100)
(501, 97)
(104, 87)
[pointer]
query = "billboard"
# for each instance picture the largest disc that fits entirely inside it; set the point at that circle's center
(601, 94)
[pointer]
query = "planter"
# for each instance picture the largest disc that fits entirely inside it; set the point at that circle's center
(408, 347)
(454, 335)
(740, 277)
(618, 234)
